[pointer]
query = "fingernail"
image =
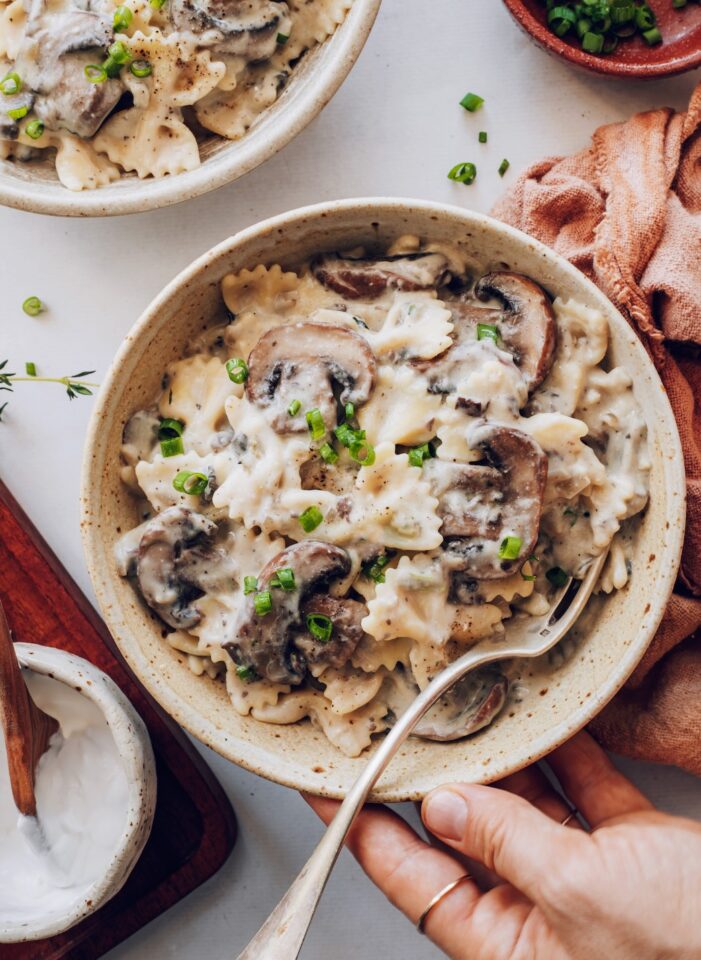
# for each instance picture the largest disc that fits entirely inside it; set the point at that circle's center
(445, 814)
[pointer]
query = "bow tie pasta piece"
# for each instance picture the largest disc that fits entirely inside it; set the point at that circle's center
(313, 21)
(231, 112)
(156, 479)
(573, 467)
(400, 409)
(78, 165)
(196, 392)
(13, 20)
(417, 326)
(371, 655)
(349, 689)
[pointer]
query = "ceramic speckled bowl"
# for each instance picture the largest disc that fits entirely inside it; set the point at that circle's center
(563, 698)
(134, 748)
(34, 186)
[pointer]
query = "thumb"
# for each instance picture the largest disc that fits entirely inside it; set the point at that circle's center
(502, 831)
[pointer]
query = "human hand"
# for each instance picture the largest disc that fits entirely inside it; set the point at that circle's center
(629, 890)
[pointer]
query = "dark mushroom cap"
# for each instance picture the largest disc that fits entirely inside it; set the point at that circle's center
(470, 705)
(305, 361)
(367, 279)
(527, 326)
(246, 28)
(265, 643)
(347, 616)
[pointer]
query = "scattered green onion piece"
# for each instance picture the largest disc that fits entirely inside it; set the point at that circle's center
(282, 38)
(310, 519)
(192, 483)
(250, 585)
(141, 69)
(644, 18)
(32, 306)
(527, 576)
(503, 167)
(320, 627)
(95, 73)
(510, 548)
(123, 17)
(286, 579)
(172, 447)
(169, 428)
(593, 42)
(327, 453)
(363, 453)
(652, 36)
(157, 4)
(349, 411)
(557, 576)
(315, 422)
(294, 408)
(347, 435)
(247, 674)
(375, 569)
(30, 369)
(237, 370)
(561, 19)
(11, 84)
(482, 136)
(471, 102)
(18, 113)
(119, 52)
(263, 603)
(488, 331)
(34, 129)
(417, 455)
(463, 173)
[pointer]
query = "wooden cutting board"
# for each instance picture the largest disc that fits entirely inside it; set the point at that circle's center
(194, 829)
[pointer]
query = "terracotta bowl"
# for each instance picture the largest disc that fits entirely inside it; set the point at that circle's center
(34, 186)
(679, 51)
(136, 754)
(564, 697)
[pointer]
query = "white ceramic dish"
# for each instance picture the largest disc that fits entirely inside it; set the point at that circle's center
(35, 187)
(564, 698)
(136, 753)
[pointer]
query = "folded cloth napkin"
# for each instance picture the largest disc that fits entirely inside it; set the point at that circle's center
(627, 212)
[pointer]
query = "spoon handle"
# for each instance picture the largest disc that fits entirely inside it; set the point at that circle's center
(282, 935)
(27, 729)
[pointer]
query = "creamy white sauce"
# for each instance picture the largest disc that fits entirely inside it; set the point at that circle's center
(82, 802)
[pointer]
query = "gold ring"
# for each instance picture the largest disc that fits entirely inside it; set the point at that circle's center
(570, 816)
(441, 895)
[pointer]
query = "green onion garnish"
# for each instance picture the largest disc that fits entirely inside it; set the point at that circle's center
(463, 173)
(503, 167)
(11, 84)
(237, 370)
(363, 453)
(95, 73)
(557, 576)
(18, 113)
(560, 19)
(510, 548)
(593, 42)
(310, 519)
(30, 369)
(119, 52)
(488, 331)
(599, 25)
(375, 568)
(247, 674)
(34, 129)
(327, 453)
(417, 455)
(527, 576)
(169, 428)
(192, 483)
(250, 584)
(320, 627)
(157, 4)
(33, 306)
(471, 102)
(286, 578)
(141, 68)
(482, 136)
(652, 36)
(294, 408)
(263, 603)
(282, 38)
(172, 447)
(123, 16)
(315, 422)
(349, 411)
(347, 435)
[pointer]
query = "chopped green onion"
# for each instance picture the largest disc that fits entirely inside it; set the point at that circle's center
(488, 331)
(141, 69)
(34, 129)
(652, 36)
(18, 113)
(169, 428)
(282, 38)
(463, 173)
(263, 603)
(375, 569)
(250, 584)
(315, 422)
(363, 453)
(30, 369)
(172, 447)
(417, 455)
(482, 136)
(510, 548)
(119, 52)
(347, 435)
(644, 17)
(294, 408)
(527, 576)
(310, 519)
(33, 306)
(247, 674)
(11, 84)
(237, 370)
(593, 42)
(123, 16)
(192, 483)
(95, 73)
(286, 579)
(349, 411)
(471, 102)
(503, 167)
(157, 4)
(560, 19)
(327, 453)
(557, 576)
(320, 627)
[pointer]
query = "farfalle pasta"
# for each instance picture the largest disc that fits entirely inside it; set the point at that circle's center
(112, 88)
(374, 465)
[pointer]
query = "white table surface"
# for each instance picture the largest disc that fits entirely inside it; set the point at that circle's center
(393, 129)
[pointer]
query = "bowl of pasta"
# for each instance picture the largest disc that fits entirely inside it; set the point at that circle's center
(122, 106)
(347, 444)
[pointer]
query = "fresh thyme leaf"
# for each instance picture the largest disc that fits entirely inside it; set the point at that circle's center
(83, 373)
(2, 410)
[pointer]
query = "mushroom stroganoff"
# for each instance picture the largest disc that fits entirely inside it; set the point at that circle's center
(115, 87)
(377, 462)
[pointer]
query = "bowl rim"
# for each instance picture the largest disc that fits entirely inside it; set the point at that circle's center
(172, 189)
(599, 65)
(375, 209)
(136, 753)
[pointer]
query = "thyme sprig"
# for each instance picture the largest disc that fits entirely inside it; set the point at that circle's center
(75, 385)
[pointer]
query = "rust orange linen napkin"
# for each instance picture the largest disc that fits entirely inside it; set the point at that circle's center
(627, 212)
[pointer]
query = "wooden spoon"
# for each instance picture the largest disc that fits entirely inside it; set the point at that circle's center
(27, 729)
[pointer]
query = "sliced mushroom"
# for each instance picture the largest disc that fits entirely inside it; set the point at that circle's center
(481, 505)
(245, 28)
(367, 278)
(265, 643)
(52, 62)
(346, 616)
(527, 326)
(175, 564)
(305, 362)
(470, 705)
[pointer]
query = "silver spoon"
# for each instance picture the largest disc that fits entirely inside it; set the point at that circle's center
(283, 933)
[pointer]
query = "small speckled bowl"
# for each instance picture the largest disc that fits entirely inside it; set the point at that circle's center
(564, 695)
(34, 186)
(134, 748)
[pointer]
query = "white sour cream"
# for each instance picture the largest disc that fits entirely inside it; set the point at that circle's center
(82, 801)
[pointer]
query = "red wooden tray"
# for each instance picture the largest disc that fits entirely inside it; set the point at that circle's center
(194, 830)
